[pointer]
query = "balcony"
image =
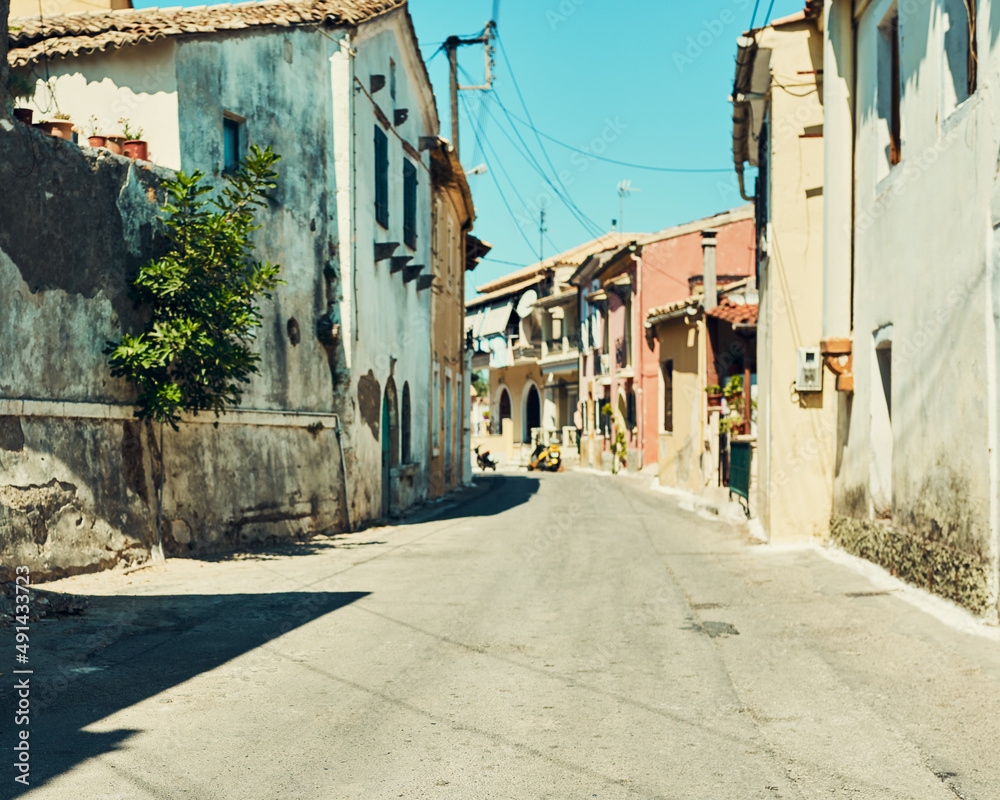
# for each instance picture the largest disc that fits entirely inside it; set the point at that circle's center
(529, 353)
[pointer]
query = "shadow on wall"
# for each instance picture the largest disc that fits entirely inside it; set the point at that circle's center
(125, 650)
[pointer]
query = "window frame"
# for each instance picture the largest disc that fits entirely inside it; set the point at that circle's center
(236, 123)
(410, 204)
(667, 375)
(381, 151)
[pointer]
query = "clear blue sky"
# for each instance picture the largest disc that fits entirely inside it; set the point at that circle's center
(639, 81)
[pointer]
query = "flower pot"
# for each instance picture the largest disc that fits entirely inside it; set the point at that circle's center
(115, 144)
(137, 148)
(23, 115)
(98, 141)
(715, 400)
(61, 129)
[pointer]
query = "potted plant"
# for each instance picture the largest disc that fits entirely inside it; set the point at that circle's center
(94, 138)
(21, 88)
(59, 126)
(135, 145)
(714, 392)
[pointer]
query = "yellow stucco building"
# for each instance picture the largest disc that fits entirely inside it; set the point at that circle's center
(778, 128)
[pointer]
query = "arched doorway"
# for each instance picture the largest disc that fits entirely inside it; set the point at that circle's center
(532, 411)
(390, 443)
(503, 411)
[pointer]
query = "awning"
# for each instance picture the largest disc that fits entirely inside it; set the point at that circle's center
(495, 320)
(473, 322)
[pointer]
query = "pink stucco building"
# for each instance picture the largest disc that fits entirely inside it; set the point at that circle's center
(621, 370)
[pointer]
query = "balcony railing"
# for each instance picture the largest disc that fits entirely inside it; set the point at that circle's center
(527, 352)
(559, 346)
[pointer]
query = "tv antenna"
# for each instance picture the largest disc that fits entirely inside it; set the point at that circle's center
(624, 187)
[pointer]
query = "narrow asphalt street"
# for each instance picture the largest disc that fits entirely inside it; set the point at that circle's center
(562, 636)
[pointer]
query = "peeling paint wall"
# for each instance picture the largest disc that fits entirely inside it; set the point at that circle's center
(78, 475)
(916, 441)
(70, 452)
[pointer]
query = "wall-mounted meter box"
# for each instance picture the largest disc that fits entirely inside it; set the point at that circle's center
(809, 377)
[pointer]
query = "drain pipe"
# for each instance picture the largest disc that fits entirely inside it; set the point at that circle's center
(343, 470)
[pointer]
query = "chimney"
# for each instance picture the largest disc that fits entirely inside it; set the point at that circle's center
(708, 270)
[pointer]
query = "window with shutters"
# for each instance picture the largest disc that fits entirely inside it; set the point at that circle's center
(381, 177)
(409, 204)
(668, 396)
(404, 425)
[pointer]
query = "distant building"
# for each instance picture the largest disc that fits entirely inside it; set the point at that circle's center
(524, 327)
(621, 377)
(454, 251)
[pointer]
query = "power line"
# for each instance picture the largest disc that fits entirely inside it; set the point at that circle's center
(591, 227)
(613, 160)
(503, 170)
(767, 19)
(588, 224)
(527, 113)
(503, 197)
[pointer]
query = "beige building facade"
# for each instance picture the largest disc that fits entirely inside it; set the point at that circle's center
(453, 251)
(778, 128)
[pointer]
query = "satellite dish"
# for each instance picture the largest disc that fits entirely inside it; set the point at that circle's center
(525, 303)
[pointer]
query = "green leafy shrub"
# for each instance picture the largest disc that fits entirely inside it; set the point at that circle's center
(194, 354)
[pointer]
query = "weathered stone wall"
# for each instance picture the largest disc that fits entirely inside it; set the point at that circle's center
(78, 474)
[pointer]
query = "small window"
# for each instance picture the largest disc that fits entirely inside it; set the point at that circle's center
(409, 204)
(889, 86)
(405, 425)
(392, 79)
(435, 405)
(381, 177)
(668, 396)
(232, 143)
(960, 51)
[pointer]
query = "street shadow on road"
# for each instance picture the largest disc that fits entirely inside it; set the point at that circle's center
(491, 495)
(128, 649)
(319, 543)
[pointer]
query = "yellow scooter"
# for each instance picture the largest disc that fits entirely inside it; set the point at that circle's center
(546, 458)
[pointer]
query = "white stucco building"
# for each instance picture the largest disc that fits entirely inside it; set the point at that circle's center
(911, 257)
(340, 91)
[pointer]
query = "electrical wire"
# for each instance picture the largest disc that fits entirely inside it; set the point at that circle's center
(615, 161)
(767, 19)
(499, 162)
(496, 181)
(527, 113)
(588, 224)
(591, 228)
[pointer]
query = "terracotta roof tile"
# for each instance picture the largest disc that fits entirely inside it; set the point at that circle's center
(572, 257)
(735, 313)
(87, 32)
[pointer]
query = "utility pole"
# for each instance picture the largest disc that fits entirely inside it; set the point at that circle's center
(541, 231)
(451, 45)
